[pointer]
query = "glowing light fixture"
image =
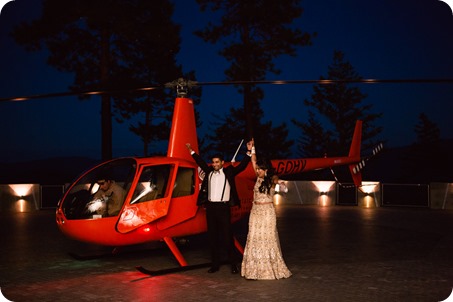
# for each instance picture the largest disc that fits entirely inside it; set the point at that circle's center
(369, 187)
(323, 186)
(21, 190)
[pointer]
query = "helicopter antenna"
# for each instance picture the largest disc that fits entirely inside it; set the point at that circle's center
(234, 157)
(182, 86)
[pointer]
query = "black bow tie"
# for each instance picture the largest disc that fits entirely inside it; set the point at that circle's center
(216, 172)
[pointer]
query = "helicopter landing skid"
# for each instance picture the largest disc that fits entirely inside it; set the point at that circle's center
(172, 270)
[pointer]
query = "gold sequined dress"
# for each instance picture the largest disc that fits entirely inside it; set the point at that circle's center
(262, 254)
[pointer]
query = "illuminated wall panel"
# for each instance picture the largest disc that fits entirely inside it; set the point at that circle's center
(19, 197)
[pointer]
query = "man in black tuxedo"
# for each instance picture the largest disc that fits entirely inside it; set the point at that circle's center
(218, 193)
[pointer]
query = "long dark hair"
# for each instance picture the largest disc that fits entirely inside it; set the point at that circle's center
(266, 185)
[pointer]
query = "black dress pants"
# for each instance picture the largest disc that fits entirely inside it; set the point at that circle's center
(218, 217)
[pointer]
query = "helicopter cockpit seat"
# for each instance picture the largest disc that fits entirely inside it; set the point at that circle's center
(145, 191)
(184, 183)
(151, 195)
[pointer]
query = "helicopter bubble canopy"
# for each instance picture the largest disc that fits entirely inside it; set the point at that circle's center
(138, 192)
(100, 192)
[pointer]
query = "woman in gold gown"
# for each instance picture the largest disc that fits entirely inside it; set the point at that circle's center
(262, 254)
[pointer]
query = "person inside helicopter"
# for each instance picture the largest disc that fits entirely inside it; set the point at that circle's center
(108, 199)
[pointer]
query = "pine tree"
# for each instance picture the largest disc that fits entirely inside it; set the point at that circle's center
(425, 158)
(271, 141)
(254, 33)
(339, 106)
(428, 132)
(314, 141)
(107, 45)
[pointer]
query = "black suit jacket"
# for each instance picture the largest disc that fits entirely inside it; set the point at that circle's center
(230, 173)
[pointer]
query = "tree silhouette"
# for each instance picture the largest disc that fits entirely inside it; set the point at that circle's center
(424, 161)
(314, 140)
(271, 141)
(428, 132)
(254, 33)
(110, 45)
(338, 106)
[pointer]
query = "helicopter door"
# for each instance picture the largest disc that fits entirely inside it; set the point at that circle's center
(184, 204)
(151, 198)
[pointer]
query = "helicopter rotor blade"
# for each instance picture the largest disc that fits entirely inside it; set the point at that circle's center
(81, 93)
(326, 81)
(234, 83)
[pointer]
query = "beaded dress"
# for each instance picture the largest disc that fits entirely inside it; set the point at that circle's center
(262, 254)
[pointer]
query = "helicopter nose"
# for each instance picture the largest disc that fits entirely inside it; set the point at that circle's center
(60, 217)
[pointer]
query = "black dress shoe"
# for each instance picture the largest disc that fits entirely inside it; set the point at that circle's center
(213, 269)
(234, 269)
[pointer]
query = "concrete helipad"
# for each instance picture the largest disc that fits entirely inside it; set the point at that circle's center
(336, 253)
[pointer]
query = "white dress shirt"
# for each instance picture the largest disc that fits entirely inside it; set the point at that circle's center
(219, 188)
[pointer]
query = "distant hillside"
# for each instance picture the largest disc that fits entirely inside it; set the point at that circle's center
(390, 166)
(53, 171)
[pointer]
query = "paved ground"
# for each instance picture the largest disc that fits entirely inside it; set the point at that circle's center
(337, 253)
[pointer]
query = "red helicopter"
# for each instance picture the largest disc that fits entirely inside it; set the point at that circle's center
(160, 193)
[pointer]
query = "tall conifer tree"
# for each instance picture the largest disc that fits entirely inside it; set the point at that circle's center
(110, 45)
(338, 106)
(254, 33)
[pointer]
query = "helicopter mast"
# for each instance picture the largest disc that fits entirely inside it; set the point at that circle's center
(183, 128)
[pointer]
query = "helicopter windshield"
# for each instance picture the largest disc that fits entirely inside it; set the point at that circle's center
(152, 183)
(100, 192)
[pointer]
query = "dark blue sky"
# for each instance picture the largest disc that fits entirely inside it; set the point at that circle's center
(387, 39)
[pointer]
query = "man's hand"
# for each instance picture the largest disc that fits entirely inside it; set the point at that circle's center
(189, 147)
